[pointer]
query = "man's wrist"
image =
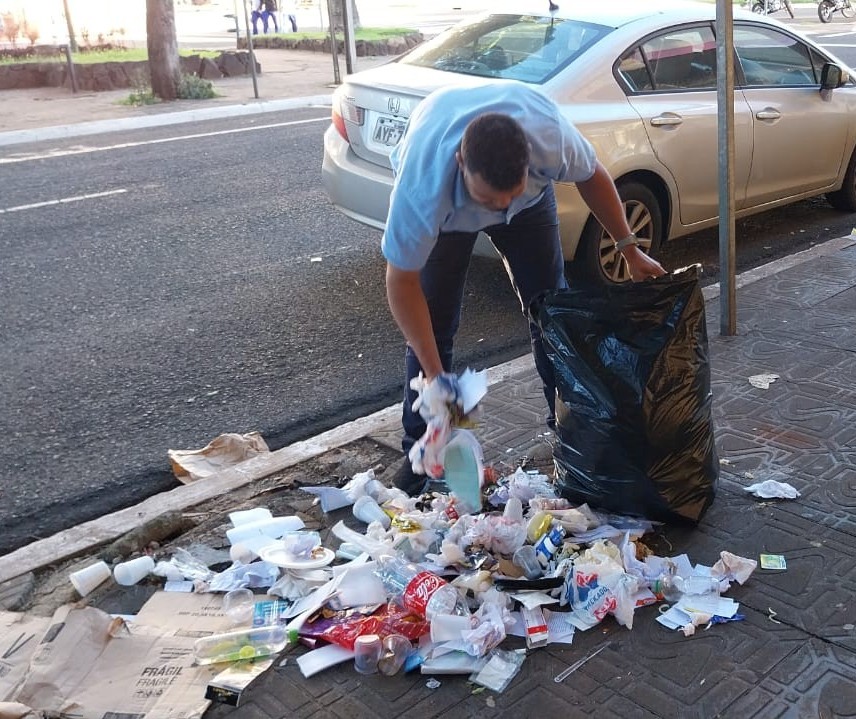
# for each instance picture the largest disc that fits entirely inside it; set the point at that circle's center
(626, 242)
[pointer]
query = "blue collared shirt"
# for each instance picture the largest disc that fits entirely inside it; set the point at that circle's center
(428, 193)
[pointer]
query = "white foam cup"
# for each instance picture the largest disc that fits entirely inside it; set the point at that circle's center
(448, 627)
(247, 516)
(368, 510)
(132, 571)
(86, 579)
(274, 528)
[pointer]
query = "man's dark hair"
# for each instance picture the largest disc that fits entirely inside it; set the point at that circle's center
(495, 146)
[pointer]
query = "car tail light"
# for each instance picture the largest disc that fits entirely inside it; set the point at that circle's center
(345, 109)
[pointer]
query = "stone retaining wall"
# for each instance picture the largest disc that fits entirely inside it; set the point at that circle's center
(365, 48)
(117, 75)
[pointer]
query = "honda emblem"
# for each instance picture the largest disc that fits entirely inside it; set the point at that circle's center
(394, 105)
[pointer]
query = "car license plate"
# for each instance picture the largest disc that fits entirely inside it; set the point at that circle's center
(388, 131)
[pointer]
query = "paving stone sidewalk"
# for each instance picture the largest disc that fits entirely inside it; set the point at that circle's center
(794, 655)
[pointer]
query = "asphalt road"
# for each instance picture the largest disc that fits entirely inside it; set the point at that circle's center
(161, 287)
(204, 286)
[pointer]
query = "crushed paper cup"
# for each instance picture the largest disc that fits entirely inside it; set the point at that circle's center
(773, 489)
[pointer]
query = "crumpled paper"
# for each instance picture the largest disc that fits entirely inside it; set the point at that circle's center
(773, 489)
(220, 453)
(732, 566)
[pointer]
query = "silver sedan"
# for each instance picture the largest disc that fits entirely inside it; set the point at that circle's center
(639, 82)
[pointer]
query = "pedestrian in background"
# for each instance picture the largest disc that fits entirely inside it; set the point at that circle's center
(256, 15)
(289, 10)
(268, 14)
(484, 158)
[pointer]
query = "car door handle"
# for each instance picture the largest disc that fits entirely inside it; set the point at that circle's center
(667, 118)
(768, 113)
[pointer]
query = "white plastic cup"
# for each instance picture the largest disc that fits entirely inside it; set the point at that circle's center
(368, 510)
(367, 651)
(526, 558)
(274, 528)
(86, 579)
(448, 627)
(131, 572)
(239, 605)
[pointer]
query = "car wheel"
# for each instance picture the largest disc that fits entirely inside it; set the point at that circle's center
(845, 198)
(596, 259)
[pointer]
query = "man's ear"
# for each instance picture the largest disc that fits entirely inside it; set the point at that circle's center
(459, 159)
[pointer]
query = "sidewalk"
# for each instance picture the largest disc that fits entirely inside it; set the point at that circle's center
(795, 653)
(288, 78)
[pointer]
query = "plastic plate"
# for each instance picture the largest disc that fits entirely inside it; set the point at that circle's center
(277, 555)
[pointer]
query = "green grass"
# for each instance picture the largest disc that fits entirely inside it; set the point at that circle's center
(96, 56)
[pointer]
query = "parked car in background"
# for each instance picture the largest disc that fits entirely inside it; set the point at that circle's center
(639, 81)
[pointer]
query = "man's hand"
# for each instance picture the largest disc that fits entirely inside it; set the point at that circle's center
(438, 396)
(641, 266)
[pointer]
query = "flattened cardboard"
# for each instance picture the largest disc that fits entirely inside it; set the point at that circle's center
(20, 635)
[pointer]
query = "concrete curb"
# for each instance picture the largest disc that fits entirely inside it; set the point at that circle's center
(97, 127)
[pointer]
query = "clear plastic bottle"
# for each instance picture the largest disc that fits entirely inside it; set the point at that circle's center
(672, 588)
(245, 644)
(423, 593)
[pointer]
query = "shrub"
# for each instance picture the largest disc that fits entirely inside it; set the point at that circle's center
(193, 87)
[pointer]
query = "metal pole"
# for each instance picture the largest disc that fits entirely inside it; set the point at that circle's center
(725, 139)
(70, 63)
(252, 54)
(334, 45)
(348, 29)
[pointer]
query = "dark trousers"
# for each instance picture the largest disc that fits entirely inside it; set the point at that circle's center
(532, 254)
(267, 15)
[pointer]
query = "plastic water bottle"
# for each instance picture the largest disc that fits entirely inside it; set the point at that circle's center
(672, 588)
(421, 592)
(245, 644)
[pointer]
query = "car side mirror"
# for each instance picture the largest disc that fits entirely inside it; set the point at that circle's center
(833, 76)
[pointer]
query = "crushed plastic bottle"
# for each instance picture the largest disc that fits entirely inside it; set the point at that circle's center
(672, 588)
(245, 644)
(421, 592)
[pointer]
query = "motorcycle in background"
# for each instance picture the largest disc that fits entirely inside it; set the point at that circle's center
(760, 7)
(826, 8)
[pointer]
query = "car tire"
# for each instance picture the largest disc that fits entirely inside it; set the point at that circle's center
(845, 198)
(596, 260)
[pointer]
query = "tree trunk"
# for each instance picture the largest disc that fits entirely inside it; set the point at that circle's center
(162, 44)
(72, 41)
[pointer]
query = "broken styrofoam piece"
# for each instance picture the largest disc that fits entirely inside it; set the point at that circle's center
(763, 381)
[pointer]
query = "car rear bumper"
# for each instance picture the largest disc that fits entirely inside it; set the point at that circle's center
(357, 188)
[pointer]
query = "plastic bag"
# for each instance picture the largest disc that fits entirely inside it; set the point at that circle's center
(633, 406)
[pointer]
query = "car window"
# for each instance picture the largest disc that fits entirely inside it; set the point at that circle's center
(682, 59)
(770, 57)
(529, 48)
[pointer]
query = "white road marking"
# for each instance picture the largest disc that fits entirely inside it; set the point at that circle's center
(62, 201)
(124, 145)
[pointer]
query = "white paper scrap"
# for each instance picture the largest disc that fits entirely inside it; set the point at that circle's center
(773, 489)
(320, 659)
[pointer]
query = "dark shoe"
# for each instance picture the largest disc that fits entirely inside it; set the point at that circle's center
(408, 481)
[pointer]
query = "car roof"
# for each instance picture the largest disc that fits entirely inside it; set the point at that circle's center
(614, 13)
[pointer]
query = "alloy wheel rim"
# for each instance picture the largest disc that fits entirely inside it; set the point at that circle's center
(612, 263)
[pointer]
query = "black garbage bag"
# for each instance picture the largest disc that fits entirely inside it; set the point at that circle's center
(633, 407)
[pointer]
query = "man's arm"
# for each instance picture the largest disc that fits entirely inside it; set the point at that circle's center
(600, 194)
(410, 311)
